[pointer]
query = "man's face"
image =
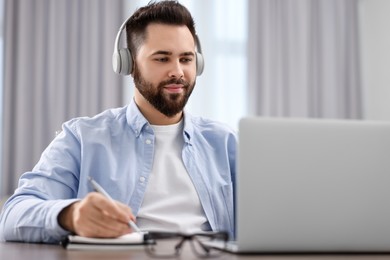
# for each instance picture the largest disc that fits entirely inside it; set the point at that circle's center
(165, 69)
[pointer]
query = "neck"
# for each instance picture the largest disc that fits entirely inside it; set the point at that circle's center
(154, 116)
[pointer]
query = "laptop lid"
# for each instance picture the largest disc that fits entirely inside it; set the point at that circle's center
(307, 185)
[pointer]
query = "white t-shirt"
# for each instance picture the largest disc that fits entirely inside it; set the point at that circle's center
(171, 201)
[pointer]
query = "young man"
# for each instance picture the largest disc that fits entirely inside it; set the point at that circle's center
(165, 169)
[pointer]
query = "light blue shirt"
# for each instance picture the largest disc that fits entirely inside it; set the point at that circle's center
(116, 148)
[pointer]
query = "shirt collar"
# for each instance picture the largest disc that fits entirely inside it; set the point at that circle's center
(188, 127)
(137, 121)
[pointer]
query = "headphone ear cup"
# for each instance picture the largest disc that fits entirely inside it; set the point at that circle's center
(126, 61)
(116, 62)
(199, 64)
(122, 62)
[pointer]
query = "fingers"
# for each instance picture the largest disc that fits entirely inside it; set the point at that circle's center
(97, 216)
(128, 213)
(115, 209)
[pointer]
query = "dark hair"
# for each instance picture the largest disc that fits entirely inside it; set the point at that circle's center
(164, 12)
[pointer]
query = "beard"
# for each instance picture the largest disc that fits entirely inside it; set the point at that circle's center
(169, 104)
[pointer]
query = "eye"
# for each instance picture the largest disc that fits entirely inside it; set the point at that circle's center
(185, 60)
(161, 59)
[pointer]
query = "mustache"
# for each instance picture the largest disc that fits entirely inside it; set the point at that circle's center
(181, 81)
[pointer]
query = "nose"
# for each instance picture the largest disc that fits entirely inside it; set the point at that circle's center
(176, 70)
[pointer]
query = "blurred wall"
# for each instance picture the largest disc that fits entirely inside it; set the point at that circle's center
(375, 57)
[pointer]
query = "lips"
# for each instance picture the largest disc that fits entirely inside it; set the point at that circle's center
(174, 88)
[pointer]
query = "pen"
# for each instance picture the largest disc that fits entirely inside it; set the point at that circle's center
(100, 189)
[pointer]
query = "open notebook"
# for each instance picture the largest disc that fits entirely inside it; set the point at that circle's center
(128, 241)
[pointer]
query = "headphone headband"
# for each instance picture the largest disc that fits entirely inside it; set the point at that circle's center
(122, 61)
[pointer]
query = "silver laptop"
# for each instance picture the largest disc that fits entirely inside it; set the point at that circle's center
(307, 185)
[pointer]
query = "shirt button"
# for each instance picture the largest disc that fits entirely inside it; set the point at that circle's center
(142, 179)
(148, 141)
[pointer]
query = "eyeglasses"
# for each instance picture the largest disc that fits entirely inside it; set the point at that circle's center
(170, 244)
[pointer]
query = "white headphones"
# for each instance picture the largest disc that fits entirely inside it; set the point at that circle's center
(122, 61)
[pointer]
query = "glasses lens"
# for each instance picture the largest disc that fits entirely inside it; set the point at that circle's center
(170, 244)
(201, 244)
(166, 245)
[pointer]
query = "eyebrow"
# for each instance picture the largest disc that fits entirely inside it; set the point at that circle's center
(187, 53)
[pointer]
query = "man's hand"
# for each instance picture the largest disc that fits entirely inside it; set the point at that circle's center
(96, 216)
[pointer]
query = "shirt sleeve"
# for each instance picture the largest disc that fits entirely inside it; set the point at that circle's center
(30, 215)
(33, 220)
